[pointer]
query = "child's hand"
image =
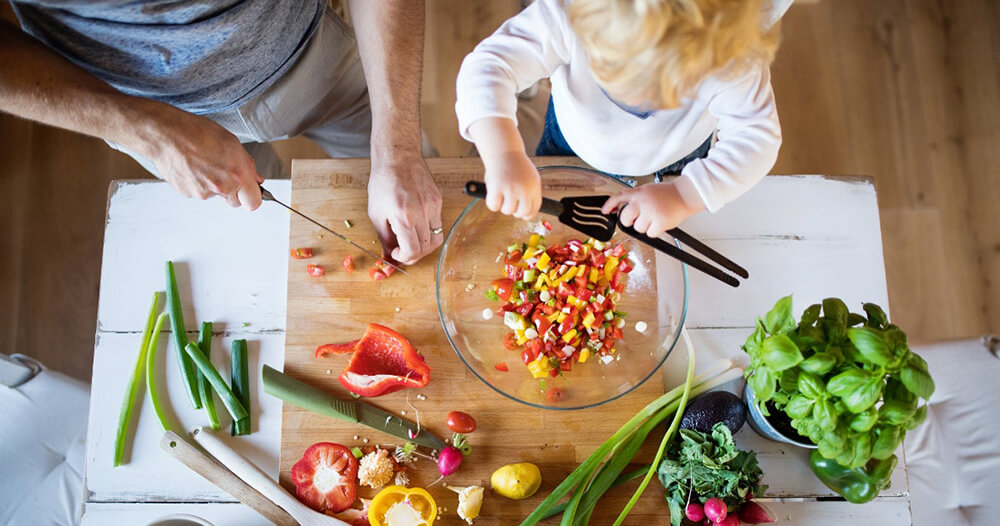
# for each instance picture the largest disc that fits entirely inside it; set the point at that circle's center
(513, 186)
(651, 209)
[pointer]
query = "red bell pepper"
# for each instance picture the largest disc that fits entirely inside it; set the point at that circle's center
(383, 362)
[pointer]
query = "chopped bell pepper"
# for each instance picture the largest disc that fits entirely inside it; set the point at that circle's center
(383, 362)
(857, 485)
(584, 354)
(401, 506)
(539, 367)
(610, 267)
(543, 262)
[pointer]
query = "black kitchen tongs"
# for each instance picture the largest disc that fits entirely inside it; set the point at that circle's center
(583, 213)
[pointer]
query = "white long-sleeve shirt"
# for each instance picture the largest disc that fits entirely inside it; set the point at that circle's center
(539, 43)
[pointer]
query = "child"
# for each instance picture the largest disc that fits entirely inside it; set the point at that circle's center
(638, 87)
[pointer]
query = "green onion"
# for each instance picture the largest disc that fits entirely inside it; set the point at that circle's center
(619, 314)
(529, 276)
(492, 295)
(151, 384)
(619, 481)
(205, 390)
(188, 372)
(125, 415)
(356, 451)
(229, 399)
(241, 386)
(658, 410)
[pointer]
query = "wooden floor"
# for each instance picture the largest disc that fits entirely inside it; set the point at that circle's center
(906, 91)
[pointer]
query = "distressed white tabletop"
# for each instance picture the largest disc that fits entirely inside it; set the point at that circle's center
(812, 236)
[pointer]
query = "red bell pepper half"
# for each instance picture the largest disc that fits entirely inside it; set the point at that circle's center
(383, 362)
(325, 477)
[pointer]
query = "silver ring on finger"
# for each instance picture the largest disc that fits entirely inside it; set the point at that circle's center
(437, 230)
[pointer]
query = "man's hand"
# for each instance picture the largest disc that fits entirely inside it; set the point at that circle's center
(201, 159)
(404, 204)
(651, 209)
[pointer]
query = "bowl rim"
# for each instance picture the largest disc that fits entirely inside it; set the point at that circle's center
(454, 348)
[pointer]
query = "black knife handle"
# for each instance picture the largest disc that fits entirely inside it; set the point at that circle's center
(478, 189)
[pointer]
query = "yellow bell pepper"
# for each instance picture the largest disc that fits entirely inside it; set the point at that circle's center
(588, 320)
(539, 367)
(542, 282)
(584, 354)
(561, 317)
(610, 267)
(569, 335)
(543, 262)
(570, 274)
(581, 270)
(594, 274)
(533, 240)
(399, 506)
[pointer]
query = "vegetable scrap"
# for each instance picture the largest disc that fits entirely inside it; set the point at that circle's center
(128, 402)
(375, 469)
(400, 506)
(324, 477)
(315, 270)
(302, 253)
(382, 362)
(561, 302)
(188, 371)
(470, 501)
(241, 386)
(348, 263)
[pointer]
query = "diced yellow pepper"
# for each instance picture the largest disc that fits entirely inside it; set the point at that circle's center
(576, 342)
(610, 267)
(594, 274)
(543, 262)
(582, 270)
(584, 354)
(521, 340)
(561, 317)
(574, 301)
(588, 320)
(539, 367)
(552, 317)
(533, 240)
(569, 335)
(541, 283)
(531, 252)
(570, 274)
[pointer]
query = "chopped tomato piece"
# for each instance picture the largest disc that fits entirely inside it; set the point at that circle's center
(503, 288)
(502, 367)
(554, 394)
(566, 365)
(513, 257)
(315, 270)
(527, 356)
(547, 225)
(618, 251)
(554, 372)
(376, 274)
(625, 265)
(514, 272)
(348, 263)
(302, 253)
(510, 342)
(597, 258)
(385, 267)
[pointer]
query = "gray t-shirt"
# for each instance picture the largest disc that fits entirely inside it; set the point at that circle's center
(200, 56)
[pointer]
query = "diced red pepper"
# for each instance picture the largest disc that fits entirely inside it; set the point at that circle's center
(566, 366)
(527, 356)
(597, 258)
(618, 251)
(625, 265)
(302, 253)
(584, 294)
(502, 367)
(567, 324)
(383, 362)
(581, 282)
(554, 372)
(563, 291)
(513, 257)
(503, 288)
(348, 263)
(315, 270)
(542, 323)
(525, 309)
(554, 394)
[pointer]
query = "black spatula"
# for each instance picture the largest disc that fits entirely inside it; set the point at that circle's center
(583, 213)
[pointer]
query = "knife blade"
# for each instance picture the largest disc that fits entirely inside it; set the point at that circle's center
(307, 397)
(268, 196)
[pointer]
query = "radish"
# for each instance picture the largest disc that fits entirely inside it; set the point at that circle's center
(730, 520)
(449, 460)
(753, 513)
(694, 512)
(715, 509)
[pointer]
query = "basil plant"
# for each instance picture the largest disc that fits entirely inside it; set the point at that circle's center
(848, 382)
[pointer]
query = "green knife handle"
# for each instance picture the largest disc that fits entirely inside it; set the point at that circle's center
(307, 397)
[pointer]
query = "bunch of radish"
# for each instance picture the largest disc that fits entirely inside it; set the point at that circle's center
(715, 513)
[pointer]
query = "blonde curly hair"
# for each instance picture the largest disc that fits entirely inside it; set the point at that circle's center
(658, 51)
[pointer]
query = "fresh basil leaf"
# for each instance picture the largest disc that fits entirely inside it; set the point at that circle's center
(846, 455)
(754, 341)
(829, 449)
(762, 382)
(917, 382)
(835, 309)
(864, 396)
(819, 363)
(918, 362)
(862, 450)
(855, 319)
(780, 353)
(895, 390)
(897, 412)
(876, 316)
(799, 407)
(811, 385)
(870, 344)
(918, 418)
(779, 320)
(812, 335)
(789, 380)
(888, 440)
(833, 331)
(864, 421)
(895, 339)
(809, 316)
(824, 415)
(847, 382)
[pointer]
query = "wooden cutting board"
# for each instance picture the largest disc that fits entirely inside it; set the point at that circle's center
(336, 308)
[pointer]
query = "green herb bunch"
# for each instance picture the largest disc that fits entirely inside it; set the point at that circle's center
(848, 382)
(703, 466)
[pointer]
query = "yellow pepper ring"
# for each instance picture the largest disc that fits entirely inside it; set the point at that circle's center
(418, 498)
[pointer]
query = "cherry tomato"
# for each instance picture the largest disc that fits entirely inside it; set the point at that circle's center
(554, 394)
(302, 253)
(315, 270)
(510, 342)
(348, 263)
(513, 257)
(460, 422)
(376, 274)
(502, 367)
(503, 288)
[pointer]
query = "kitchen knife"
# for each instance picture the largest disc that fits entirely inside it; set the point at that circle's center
(268, 196)
(303, 395)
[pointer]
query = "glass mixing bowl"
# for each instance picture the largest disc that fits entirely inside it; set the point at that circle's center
(655, 293)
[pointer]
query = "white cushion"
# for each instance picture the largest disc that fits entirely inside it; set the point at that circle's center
(42, 445)
(953, 459)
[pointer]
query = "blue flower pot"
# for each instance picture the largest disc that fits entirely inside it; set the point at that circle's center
(764, 428)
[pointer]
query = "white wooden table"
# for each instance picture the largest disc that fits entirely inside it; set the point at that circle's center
(809, 235)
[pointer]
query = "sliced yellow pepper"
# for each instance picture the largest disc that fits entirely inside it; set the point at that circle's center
(543, 262)
(570, 274)
(584, 354)
(574, 301)
(542, 282)
(610, 267)
(594, 274)
(569, 335)
(415, 505)
(582, 270)
(561, 317)
(554, 316)
(588, 320)
(539, 368)
(533, 240)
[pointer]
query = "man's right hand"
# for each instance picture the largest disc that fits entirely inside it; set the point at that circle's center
(201, 159)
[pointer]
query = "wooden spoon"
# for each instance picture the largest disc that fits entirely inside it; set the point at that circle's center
(224, 479)
(258, 480)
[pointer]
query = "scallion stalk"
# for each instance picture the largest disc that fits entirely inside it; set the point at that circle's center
(188, 372)
(204, 389)
(128, 402)
(241, 385)
(151, 383)
(229, 399)
(618, 481)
